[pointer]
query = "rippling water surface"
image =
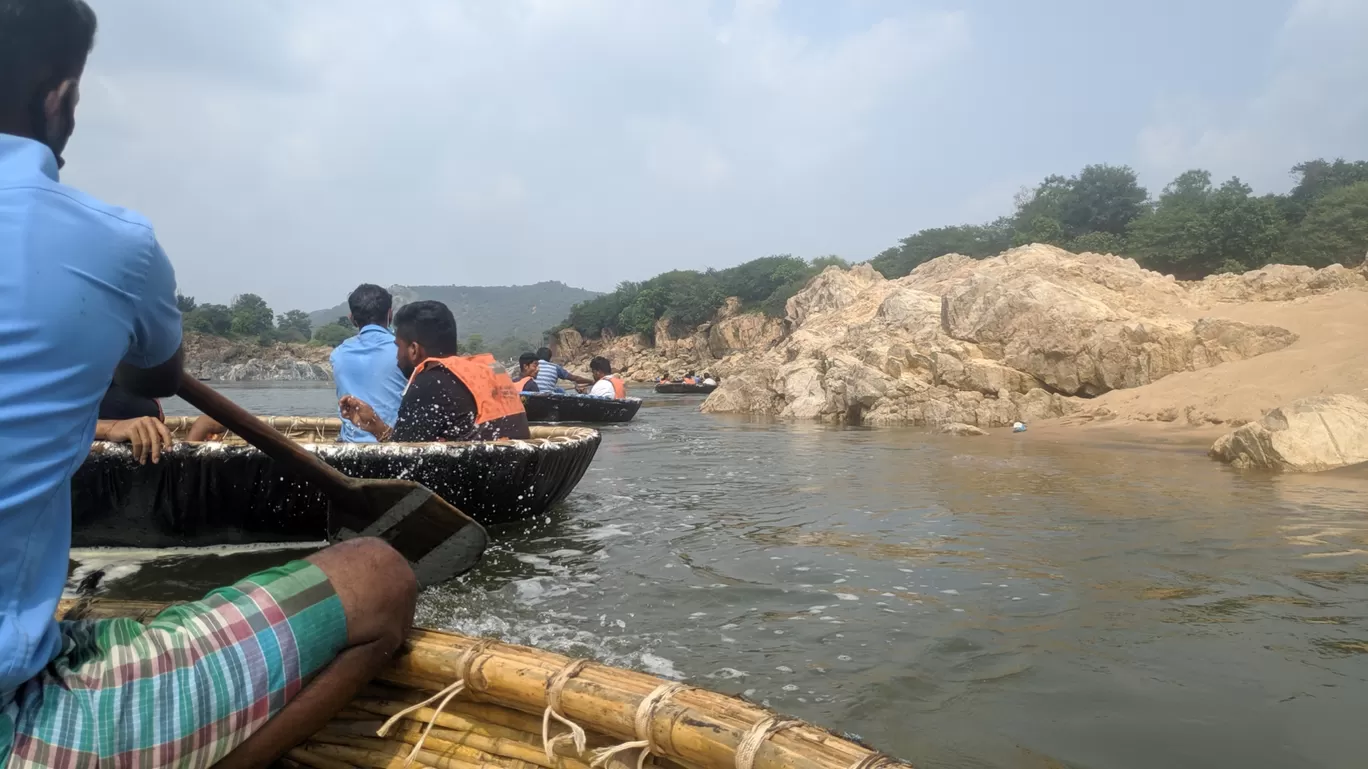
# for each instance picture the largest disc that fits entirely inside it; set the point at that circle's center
(960, 602)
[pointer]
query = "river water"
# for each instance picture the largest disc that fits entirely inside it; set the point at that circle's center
(1005, 601)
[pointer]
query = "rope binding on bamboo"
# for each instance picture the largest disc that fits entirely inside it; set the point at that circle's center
(553, 695)
(749, 745)
(645, 715)
(463, 667)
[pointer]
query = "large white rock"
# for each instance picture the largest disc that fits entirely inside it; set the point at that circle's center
(1306, 436)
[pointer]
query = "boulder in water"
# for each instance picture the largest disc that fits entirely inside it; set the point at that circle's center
(1322, 432)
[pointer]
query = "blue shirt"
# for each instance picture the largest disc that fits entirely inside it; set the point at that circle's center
(366, 367)
(549, 375)
(83, 287)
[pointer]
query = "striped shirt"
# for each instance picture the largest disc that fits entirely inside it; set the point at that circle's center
(549, 375)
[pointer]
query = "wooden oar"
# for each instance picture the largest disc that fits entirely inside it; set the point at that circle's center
(439, 541)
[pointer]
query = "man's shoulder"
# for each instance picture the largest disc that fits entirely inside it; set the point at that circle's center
(89, 215)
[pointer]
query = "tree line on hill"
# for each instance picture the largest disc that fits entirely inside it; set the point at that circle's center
(249, 318)
(687, 298)
(1194, 228)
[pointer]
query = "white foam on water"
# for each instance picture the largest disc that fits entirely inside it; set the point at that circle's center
(660, 666)
(728, 673)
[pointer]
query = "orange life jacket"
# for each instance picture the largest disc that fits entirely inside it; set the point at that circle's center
(689, 380)
(619, 387)
(519, 384)
(495, 395)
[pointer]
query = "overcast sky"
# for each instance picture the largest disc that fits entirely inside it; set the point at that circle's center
(297, 148)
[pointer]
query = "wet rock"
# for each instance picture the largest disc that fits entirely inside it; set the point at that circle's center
(228, 360)
(959, 428)
(1322, 432)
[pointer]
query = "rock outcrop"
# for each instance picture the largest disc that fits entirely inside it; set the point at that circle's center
(1309, 435)
(675, 352)
(1278, 282)
(1027, 335)
(228, 360)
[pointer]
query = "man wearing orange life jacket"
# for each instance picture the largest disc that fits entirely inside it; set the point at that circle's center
(528, 366)
(449, 397)
(606, 384)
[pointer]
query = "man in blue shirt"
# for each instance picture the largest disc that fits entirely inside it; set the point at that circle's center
(549, 374)
(365, 366)
(87, 296)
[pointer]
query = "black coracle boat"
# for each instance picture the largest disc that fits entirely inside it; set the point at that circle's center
(679, 388)
(555, 407)
(226, 492)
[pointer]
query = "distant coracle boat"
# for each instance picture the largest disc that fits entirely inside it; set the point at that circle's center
(555, 407)
(227, 492)
(455, 702)
(679, 388)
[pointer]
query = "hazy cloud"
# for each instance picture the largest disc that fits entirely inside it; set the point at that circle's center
(1312, 102)
(295, 149)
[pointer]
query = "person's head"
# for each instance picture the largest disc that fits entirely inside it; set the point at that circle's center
(544, 353)
(423, 330)
(528, 364)
(706, 375)
(43, 50)
(600, 367)
(370, 305)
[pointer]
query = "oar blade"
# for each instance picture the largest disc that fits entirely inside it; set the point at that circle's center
(439, 541)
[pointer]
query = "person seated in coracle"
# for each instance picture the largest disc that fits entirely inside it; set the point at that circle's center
(449, 397)
(528, 364)
(549, 374)
(708, 380)
(364, 366)
(606, 383)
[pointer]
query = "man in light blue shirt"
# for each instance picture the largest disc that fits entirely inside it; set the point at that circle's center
(87, 296)
(549, 374)
(84, 287)
(366, 365)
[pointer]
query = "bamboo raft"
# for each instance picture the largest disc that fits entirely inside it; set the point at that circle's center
(679, 388)
(554, 407)
(449, 701)
(226, 492)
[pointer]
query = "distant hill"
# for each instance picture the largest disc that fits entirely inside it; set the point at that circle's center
(493, 312)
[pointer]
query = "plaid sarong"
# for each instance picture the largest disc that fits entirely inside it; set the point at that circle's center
(183, 690)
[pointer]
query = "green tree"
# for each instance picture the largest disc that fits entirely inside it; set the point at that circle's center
(295, 323)
(1102, 198)
(333, 334)
(1318, 178)
(473, 344)
(1196, 229)
(213, 319)
(186, 304)
(1098, 243)
(251, 315)
(974, 240)
(1334, 230)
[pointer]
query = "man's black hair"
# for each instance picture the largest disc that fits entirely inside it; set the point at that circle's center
(527, 357)
(601, 365)
(544, 353)
(42, 43)
(370, 304)
(430, 324)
